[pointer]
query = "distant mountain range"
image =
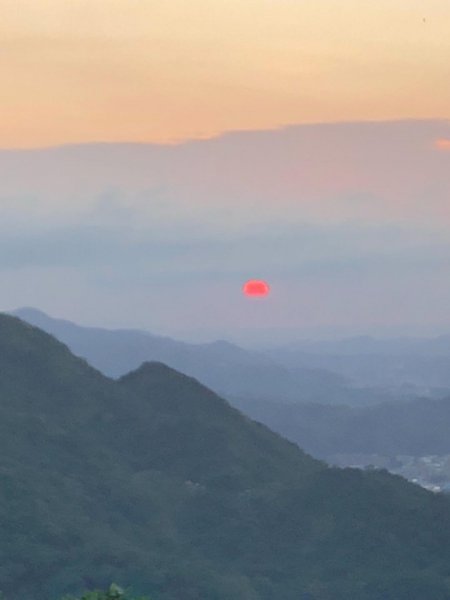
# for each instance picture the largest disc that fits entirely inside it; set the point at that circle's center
(154, 481)
(224, 367)
(316, 409)
(365, 345)
(419, 365)
(416, 428)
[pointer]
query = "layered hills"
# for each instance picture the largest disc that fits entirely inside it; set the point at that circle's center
(228, 369)
(420, 365)
(315, 408)
(416, 428)
(155, 482)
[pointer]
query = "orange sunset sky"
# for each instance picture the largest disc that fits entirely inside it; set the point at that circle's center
(168, 70)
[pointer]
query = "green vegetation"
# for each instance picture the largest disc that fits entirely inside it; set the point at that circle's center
(156, 482)
(114, 592)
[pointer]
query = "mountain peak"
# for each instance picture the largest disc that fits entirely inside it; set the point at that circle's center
(23, 332)
(29, 311)
(155, 379)
(36, 356)
(154, 369)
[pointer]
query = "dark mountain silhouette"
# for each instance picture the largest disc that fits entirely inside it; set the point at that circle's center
(224, 367)
(155, 481)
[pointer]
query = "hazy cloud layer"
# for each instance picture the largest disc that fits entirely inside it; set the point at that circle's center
(345, 221)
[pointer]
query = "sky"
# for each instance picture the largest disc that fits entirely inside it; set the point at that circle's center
(155, 155)
(159, 71)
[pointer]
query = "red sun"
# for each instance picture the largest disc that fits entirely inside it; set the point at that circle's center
(256, 287)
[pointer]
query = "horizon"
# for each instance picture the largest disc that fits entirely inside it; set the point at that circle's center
(442, 144)
(249, 344)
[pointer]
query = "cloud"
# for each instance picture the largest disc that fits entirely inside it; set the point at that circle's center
(306, 250)
(443, 144)
(340, 219)
(323, 173)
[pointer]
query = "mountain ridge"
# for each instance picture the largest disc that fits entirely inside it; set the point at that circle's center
(227, 368)
(156, 482)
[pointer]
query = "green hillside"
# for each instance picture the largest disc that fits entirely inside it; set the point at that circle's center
(156, 483)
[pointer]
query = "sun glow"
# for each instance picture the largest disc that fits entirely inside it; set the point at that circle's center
(256, 287)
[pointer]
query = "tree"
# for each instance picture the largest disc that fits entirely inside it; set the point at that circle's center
(114, 592)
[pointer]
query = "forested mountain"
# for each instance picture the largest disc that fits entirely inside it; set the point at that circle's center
(226, 368)
(156, 482)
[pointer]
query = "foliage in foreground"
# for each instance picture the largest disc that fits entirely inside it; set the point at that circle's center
(114, 592)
